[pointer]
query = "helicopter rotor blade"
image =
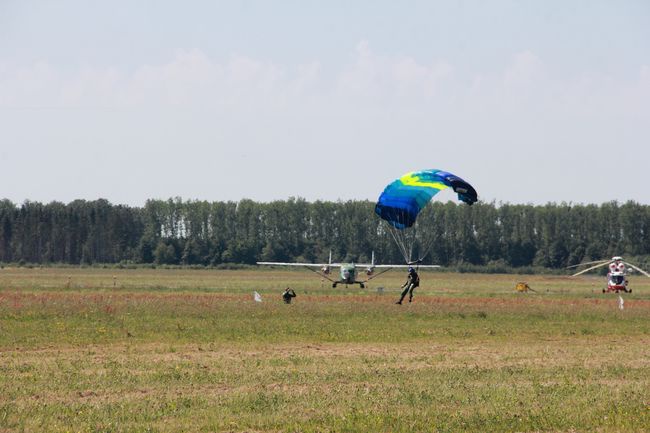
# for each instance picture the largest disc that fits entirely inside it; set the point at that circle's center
(587, 263)
(589, 269)
(638, 269)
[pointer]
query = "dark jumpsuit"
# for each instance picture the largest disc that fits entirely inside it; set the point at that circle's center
(412, 282)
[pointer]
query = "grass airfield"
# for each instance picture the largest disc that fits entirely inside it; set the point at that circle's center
(85, 350)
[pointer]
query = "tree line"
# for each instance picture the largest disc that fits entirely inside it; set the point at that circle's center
(177, 232)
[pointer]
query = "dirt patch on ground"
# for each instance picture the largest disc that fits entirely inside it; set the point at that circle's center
(637, 352)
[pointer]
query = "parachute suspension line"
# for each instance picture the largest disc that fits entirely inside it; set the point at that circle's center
(425, 233)
(400, 241)
(425, 246)
(425, 251)
(404, 238)
(409, 235)
(411, 239)
(391, 230)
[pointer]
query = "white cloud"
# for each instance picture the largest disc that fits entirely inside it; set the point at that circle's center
(308, 77)
(89, 85)
(644, 82)
(413, 78)
(190, 78)
(381, 82)
(359, 78)
(245, 72)
(278, 119)
(644, 75)
(24, 86)
(377, 76)
(525, 71)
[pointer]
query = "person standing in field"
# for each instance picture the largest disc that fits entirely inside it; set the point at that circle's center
(288, 295)
(412, 281)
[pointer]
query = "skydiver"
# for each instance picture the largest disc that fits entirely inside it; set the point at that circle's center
(287, 295)
(412, 281)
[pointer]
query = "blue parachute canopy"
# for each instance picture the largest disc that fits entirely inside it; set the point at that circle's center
(404, 198)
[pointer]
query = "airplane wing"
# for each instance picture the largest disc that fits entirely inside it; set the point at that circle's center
(297, 264)
(370, 265)
(360, 265)
(309, 266)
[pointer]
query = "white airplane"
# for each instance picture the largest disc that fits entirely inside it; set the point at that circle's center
(348, 271)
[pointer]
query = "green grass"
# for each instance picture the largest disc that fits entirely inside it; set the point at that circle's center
(176, 350)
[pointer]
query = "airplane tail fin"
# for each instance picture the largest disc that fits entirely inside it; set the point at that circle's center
(328, 267)
(371, 269)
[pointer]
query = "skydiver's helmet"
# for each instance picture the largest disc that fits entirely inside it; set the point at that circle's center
(411, 270)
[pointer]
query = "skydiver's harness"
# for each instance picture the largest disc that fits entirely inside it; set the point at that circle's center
(412, 280)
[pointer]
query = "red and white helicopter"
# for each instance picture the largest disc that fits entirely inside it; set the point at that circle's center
(617, 274)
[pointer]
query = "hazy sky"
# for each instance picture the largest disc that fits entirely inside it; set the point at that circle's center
(530, 101)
